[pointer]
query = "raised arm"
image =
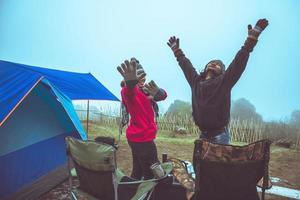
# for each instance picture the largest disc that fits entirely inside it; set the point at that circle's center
(238, 65)
(156, 93)
(129, 73)
(189, 71)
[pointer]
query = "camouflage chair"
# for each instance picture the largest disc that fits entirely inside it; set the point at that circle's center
(98, 176)
(182, 176)
(226, 172)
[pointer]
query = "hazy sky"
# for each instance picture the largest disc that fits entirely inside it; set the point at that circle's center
(96, 36)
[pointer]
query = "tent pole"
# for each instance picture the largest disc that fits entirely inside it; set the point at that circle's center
(87, 118)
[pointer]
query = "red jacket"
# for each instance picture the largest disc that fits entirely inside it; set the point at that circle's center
(142, 126)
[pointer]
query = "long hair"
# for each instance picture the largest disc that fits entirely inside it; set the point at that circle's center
(204, 72)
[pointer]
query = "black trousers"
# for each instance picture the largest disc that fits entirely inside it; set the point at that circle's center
(144, 154)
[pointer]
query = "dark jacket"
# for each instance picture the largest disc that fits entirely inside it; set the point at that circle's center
(211, 98)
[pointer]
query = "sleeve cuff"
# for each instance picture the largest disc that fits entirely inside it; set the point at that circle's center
(250, 44)
(178, 54)
(131, 83)
(159, 95)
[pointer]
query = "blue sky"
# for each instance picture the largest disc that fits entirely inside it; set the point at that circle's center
(96, 36)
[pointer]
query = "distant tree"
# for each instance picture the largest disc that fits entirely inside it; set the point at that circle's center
(179, 108)
(244, 110)
(295, 118)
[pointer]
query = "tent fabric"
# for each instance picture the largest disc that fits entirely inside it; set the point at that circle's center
(39, 117)
(36, 114)
(17, 79)
(23, 167)
(32, 138)
(68, 106)
(14, 85)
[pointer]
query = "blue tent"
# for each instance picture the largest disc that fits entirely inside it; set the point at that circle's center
(36, 114)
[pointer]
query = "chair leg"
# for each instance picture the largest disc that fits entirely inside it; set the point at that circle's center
(150, 194)
(266, 169)
(115, 185)
(73, 196)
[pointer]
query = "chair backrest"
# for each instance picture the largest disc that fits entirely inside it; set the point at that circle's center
(107, 140)
(95, 164)
(230, 172)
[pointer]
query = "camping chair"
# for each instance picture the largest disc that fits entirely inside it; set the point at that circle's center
(99, 178)
(230, 172)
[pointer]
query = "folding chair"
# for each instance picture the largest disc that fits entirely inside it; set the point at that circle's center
(99, 178)
(226, 172)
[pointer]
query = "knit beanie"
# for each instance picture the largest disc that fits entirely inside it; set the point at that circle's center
(139, 68)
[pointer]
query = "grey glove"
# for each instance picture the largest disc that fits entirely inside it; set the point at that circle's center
(173, 43)
(152, 88)
(128, 71)
(260, 25)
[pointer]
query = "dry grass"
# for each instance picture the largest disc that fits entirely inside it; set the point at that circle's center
(284, 163)
(246, 131)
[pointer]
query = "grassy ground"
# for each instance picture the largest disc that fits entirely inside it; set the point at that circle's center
(284, 163)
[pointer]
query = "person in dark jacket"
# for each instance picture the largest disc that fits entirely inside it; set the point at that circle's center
(212, 87)
(138, 98)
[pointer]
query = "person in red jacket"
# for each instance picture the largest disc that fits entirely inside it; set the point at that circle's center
(138, 99)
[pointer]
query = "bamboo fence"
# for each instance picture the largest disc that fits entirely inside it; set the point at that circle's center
(247, 131)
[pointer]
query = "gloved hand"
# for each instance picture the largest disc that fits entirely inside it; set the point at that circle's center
(260, 25)
(128, 71)
(173, 43)
(152, 88)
